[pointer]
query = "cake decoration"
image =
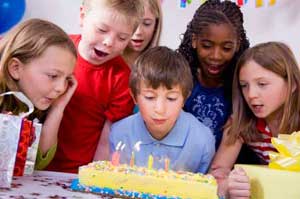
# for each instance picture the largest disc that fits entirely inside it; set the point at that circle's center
(103, 177)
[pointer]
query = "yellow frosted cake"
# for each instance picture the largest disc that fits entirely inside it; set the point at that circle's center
(138, 182)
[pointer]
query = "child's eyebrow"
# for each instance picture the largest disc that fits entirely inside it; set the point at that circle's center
(56, 70)
(124, 34)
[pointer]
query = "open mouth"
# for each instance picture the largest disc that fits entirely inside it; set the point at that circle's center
(100, 53)
(257, 108)
(137, 40)
(214, 69)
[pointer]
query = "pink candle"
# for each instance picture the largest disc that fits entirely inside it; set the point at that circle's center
(132, 159)
(167, 164)
(115, 159)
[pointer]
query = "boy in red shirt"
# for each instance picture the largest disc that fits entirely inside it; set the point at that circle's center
(102, 95)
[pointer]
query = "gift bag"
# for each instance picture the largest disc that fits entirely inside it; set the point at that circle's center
(23, 145)
(33, 147)
(16, 134)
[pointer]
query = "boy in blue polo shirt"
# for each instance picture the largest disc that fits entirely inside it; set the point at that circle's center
(160, 82)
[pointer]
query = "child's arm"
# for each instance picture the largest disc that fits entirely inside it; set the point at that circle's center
(50, 127)
(224, 161)
(238, 184)
(102, 151)
(225, 157)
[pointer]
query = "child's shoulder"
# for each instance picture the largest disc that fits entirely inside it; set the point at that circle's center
(124, 127)
(125, 121)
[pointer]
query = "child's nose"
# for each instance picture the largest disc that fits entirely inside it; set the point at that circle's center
(108, 41)
(159, 106)
(252, 92)
(61, 86)
(216, 53)
(139, 30)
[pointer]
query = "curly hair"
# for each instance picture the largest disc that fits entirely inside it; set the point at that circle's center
(215, 12)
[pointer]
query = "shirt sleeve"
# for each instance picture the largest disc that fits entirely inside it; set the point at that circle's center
(120, 103)
(208, 154)
(43, 161)
(111, 141)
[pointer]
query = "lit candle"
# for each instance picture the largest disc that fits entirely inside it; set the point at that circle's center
(115, 158)
(167, 164)
(136, 147)
(132, 159)
(150, 162)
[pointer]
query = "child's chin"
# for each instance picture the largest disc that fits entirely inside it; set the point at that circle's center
(42, 107)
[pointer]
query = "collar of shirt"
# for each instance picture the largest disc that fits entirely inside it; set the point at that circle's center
(262, 127)
(176, 136)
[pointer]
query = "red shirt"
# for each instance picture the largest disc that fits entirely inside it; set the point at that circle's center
(262, 148)
(102, 93)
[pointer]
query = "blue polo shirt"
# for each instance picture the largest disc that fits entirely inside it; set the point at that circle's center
(189, 145)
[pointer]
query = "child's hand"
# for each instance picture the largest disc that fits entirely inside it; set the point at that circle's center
(62, 101)
(238, 184)
(220, 173)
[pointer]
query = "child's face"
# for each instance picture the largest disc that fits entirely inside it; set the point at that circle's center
(215, 47)
(144, 33)
(264, 91)
(105, 33)
(45, 78)
(159, 108)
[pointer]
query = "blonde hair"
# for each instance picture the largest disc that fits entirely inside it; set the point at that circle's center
(155, 8)
(132, 10)
(27, 41)
(278, 58)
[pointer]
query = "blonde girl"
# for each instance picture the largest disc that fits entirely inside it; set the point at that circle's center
(148, 32)
(38, 58)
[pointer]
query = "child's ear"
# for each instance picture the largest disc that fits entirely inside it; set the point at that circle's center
(15, 68)
(194, 41)
(238, 45)
(131, 93)
(82, 15)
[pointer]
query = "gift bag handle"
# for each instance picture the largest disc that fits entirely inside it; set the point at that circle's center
(23, 99)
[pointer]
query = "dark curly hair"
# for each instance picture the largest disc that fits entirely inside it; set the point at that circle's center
(215, 12)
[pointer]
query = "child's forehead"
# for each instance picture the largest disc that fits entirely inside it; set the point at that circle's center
(112, 18)
(224, 32)
(146, 85)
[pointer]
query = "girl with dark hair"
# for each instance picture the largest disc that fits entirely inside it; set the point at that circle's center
(214, 40)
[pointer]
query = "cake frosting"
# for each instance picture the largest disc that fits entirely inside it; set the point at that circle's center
(139, 182)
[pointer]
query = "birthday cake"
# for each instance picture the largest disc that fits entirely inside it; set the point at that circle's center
(103, 177)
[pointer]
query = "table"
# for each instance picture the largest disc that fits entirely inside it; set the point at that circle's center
(44, 185)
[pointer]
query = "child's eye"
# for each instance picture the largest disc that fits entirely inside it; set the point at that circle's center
(171, 99)
(149, 97)
(262, 84)
(52, 76)
(147, 24)
(102, 30)
(206, 46)
(227, 49)
(242, 85)
(122, 38)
